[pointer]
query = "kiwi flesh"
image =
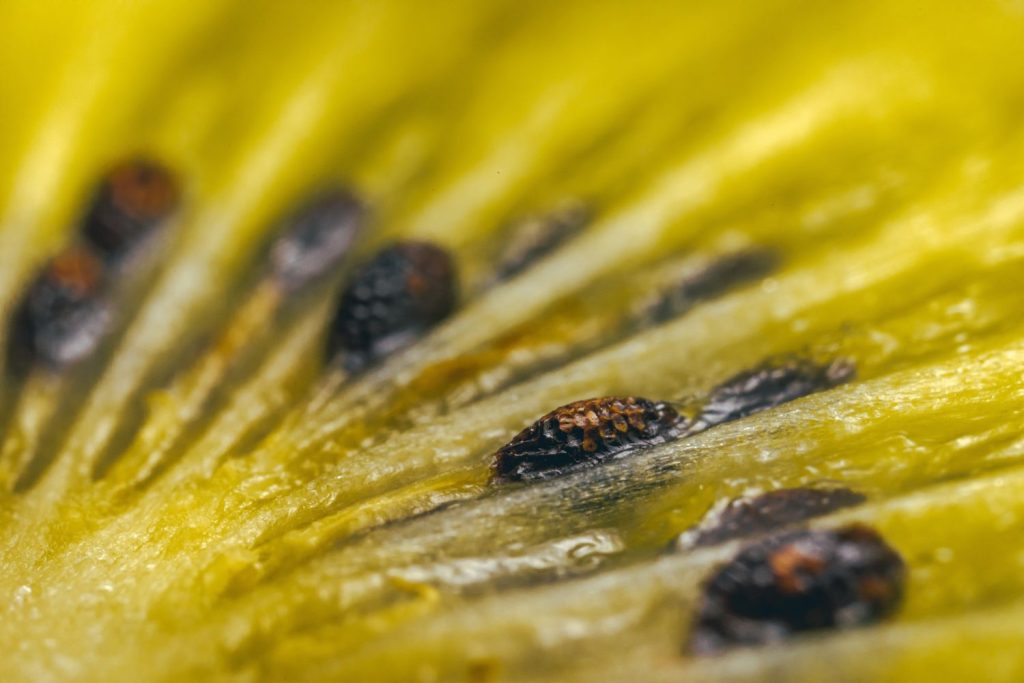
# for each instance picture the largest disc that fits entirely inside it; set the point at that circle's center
(344, 253)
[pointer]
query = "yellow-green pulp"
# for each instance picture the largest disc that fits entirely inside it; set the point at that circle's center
(223, 507)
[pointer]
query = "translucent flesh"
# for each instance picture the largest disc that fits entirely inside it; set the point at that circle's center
(211, 501)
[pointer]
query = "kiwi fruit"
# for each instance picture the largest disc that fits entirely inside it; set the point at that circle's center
(511, 341)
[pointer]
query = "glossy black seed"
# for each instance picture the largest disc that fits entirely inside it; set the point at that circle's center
(537, 236)
(766, 513)
(316, 238)
(64, 313)
(798, 582)
(713, 281)
(132, 199)
(394, 299)
(771, 385)
(585, 432)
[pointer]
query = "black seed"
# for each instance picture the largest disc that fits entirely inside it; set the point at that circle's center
(585, 432)
(316, 238)
(537, 236)
(133, 198)
(394, 299)
(64, 313)
(770, 385)
(797, 582)
(713, 281)
(766, 513)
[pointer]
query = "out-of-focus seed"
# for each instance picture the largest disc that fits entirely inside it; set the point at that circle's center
(585, 432)
(132, 199)
(393, 300)
(531, 239)
(770, 385)
(797, 582)
(765, 513)
(64, 313)
(316, 238)
(716, 279)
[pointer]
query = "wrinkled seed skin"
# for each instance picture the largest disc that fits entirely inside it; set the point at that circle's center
(798, 582)
(132, 199)
(64, 314)
(585, 432)
(397, 297)
(768, 512)
(316, 238)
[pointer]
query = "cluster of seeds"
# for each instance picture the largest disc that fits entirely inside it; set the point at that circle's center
(774, 588)
(274, 455)
(66, 311)
(593, 430)
(786, 583)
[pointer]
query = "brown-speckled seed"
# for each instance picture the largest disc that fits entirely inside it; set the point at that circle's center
(132, 199)
(585, 432)
(797, 582)
(394, 299)
(766, 513)
(64, 313)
